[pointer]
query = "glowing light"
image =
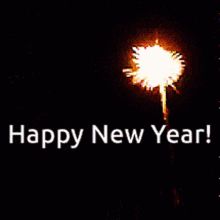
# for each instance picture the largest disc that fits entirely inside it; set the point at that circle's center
(156, 67)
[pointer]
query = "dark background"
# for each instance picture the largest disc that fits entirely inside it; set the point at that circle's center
(64, 66)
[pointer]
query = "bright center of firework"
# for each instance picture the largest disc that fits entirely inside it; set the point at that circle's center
(156, 67)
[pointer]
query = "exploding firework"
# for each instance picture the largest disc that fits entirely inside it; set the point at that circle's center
(156, 67)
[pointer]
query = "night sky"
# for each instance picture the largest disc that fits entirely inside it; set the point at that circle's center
(64, 64)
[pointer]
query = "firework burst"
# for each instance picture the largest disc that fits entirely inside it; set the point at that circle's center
(156, 67)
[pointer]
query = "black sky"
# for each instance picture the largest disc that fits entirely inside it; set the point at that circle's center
(64, 63)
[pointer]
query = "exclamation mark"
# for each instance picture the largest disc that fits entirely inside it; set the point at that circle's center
(208, 132)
